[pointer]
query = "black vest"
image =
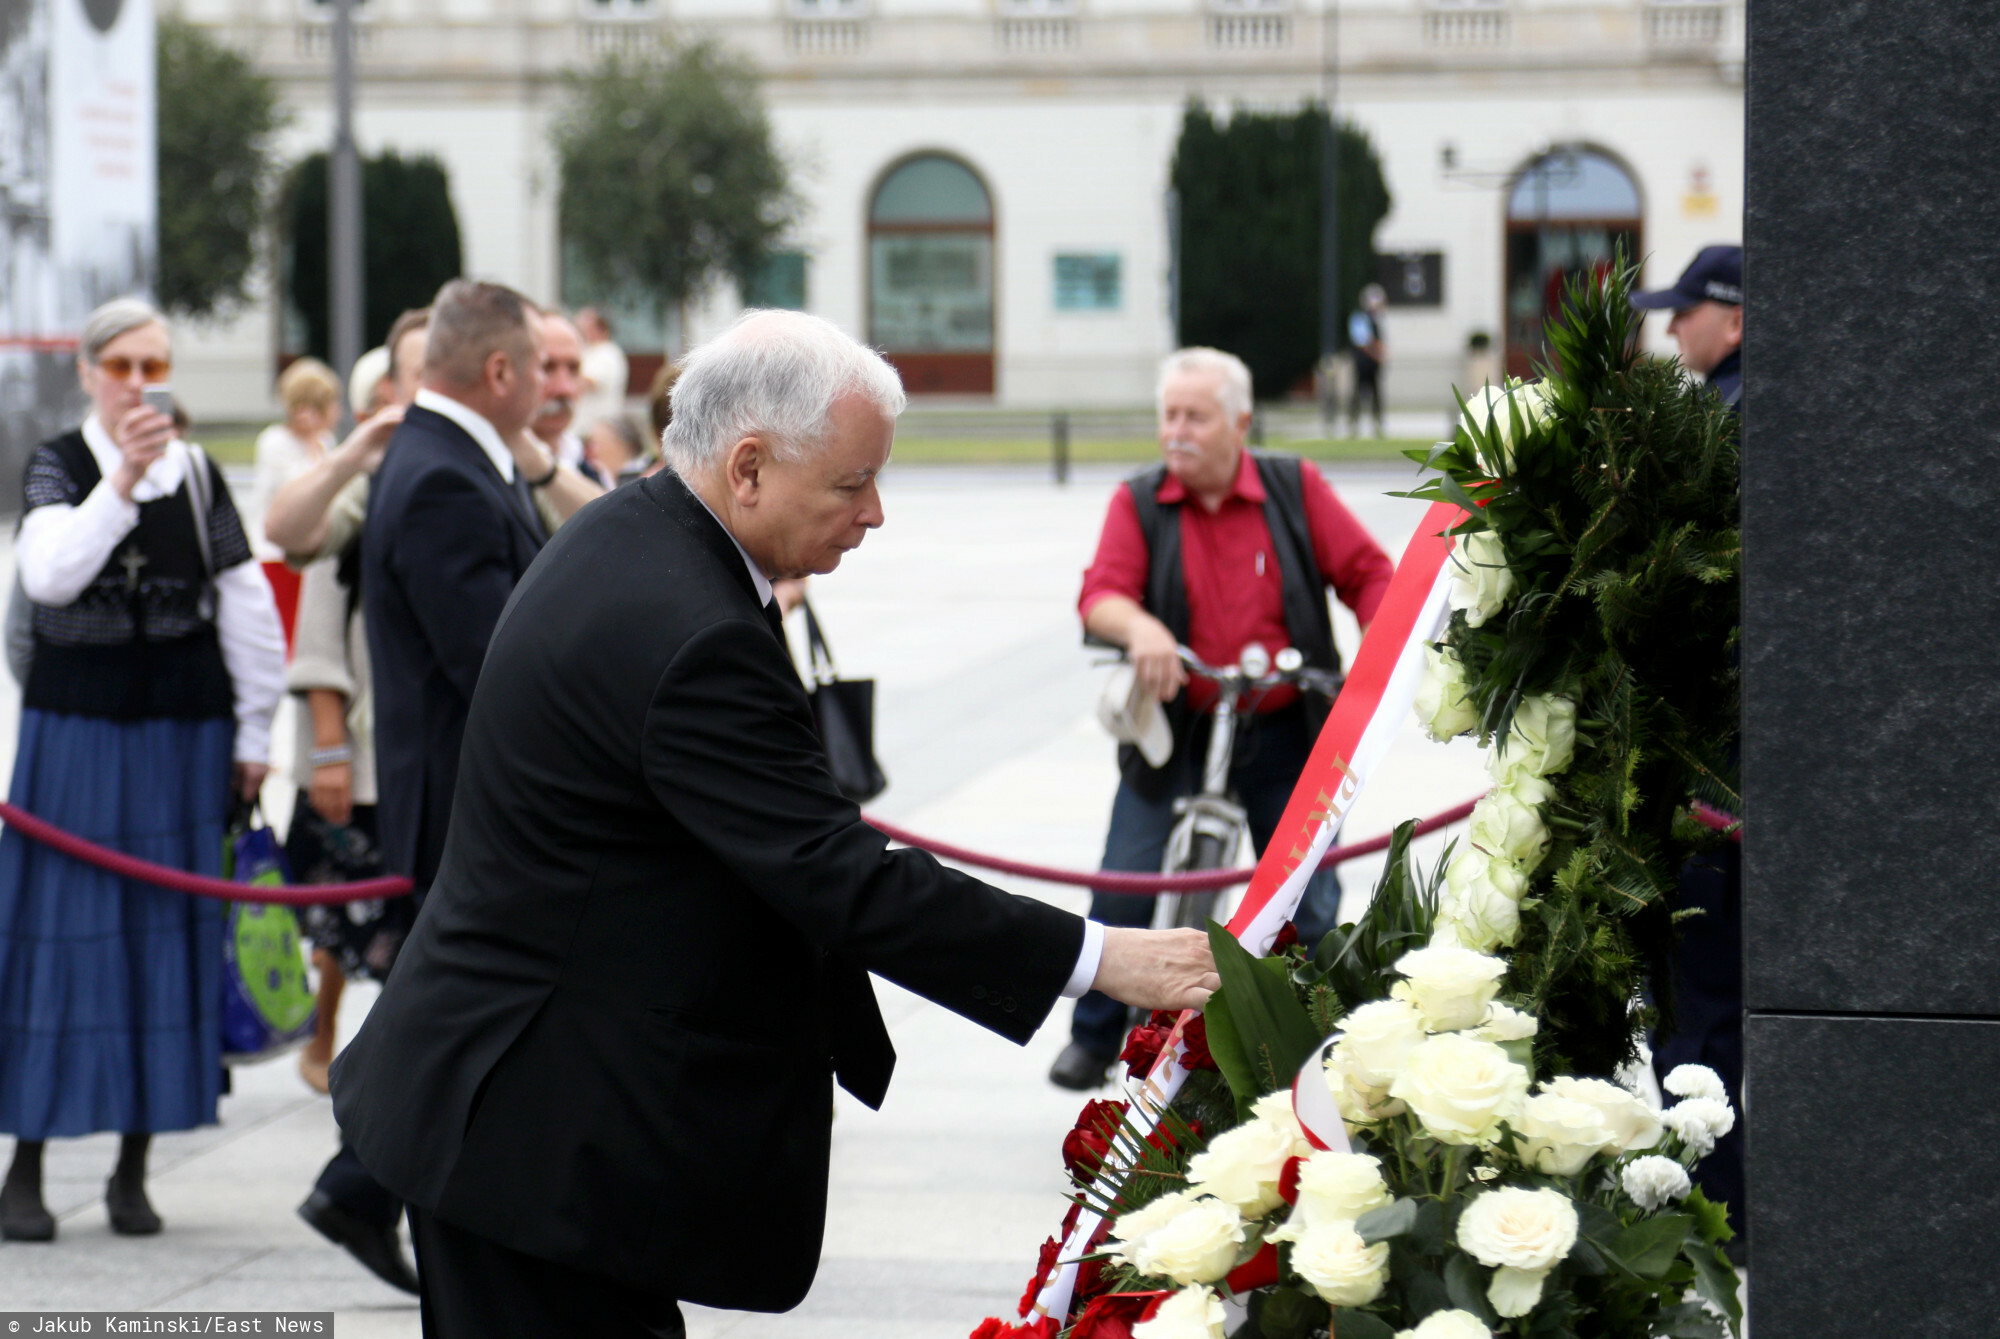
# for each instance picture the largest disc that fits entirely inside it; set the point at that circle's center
(1307, 618)
(166, 660)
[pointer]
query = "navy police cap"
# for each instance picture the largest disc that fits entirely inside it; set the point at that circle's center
(1715, 275)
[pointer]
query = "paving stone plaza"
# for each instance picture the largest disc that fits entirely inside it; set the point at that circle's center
(963, 610)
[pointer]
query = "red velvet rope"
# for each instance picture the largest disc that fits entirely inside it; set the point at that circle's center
(1105, 881)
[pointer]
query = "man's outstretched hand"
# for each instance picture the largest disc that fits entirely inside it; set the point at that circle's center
(1157, 969)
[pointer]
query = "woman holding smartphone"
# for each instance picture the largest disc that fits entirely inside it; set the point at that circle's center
(158, 662)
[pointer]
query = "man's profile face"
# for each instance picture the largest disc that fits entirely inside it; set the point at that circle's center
(409, 358)
(809, 515)
(562, 377)
(1201, 443)
(514, 381)
(1707, 332)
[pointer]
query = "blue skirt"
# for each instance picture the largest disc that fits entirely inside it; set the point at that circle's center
(111, 990)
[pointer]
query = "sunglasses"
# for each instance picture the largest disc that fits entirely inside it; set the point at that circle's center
(118, 368)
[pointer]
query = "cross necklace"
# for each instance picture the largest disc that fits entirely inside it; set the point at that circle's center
(132, 562)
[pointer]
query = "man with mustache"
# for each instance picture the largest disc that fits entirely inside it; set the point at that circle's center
(1213, 549)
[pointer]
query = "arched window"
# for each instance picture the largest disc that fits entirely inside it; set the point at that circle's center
(930, 276)
(1567, 213)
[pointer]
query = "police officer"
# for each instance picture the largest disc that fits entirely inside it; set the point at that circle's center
(1707, 303)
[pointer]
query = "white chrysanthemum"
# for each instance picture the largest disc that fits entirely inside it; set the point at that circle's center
(1695, 1081)
(1342, 1269)
(1523, 1234)
(1192, 1313)
(1700, 1121)
(1654, 1182)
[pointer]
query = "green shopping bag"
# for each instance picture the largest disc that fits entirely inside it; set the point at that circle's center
(267, 1003)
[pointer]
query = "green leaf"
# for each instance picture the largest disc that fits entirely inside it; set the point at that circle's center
(1349, 1324)
(1689, 1320)
(1715, 1279)
(1391, 1220)
(1466, 1282)
(1649, 1246)
(1270, 1023)
(1226, 1047)
(1711, 1220)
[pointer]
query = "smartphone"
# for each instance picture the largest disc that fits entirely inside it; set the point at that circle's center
(160, 397)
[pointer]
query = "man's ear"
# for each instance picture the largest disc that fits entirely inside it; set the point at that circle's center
(498, 372)
(743, 469)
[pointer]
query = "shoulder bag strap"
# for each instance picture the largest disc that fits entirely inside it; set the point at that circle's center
(198, 498)
(818, 653)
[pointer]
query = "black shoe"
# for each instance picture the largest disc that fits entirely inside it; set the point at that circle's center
(130, 1211)
(379, 1249)
(1080, 1068)
(23, 1217)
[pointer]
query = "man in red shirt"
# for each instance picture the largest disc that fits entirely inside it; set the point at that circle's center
(1213, 549)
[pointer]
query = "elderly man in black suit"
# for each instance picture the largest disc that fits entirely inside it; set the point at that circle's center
(451, 528)
(645, 956)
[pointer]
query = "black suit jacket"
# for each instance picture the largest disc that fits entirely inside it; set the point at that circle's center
(609, 1039)
(445, 542)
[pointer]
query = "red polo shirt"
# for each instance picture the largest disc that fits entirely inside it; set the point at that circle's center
(1235, 592)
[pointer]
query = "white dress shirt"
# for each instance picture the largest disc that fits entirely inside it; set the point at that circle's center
(62, 548)
(475, 425)
(1092, 952)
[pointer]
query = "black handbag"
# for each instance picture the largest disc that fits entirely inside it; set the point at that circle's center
(844, 710)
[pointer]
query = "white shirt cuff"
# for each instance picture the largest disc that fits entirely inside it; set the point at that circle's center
(1087, 960)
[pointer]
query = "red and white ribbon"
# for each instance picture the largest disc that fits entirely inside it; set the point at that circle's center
(1365, 720)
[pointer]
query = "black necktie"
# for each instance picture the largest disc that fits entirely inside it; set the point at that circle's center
(775, 619)
(527, 496)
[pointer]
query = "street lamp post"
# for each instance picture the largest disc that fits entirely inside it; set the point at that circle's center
(1329, 213)
(344, 273)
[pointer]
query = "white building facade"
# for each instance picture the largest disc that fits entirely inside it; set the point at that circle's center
(1520, 139)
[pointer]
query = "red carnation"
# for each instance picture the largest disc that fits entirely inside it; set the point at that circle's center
(1288, 935)
(1112, 1316)
(1194, 1040)
(1142, 1047)
(1044, 1264)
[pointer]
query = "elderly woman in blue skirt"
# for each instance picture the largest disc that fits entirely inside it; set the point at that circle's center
(158, 662)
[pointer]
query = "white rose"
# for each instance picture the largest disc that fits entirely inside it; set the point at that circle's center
(1360, 1103)
(1241, 1167)
(1342, 1269)
(1275, 1109)
(1505, 1023)
(1197, 1245)
(1481, 581)
(1134, 1227)
(1477, 915)
(1653, 1182)
(1378, 1037)
(1524, 1234)
(1492, 410)
(1700, 1121)
(1192, 1313)
(1559, 1136)
(1442, 707)
(1507, 822)
(1695, 1081)
(1334, 1188)
(1631, 1122)
(1450, 986)
(1448, 1325)
(1541, 741)
(1461, 1089)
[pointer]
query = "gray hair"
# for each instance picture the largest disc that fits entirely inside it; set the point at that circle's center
(1233, 394)
(116, 317)
(775, 375)
(471, 320)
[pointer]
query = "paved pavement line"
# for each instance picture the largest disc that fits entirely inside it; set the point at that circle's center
(209, 1278)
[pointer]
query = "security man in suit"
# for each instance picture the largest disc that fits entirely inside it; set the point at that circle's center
(451, 528)
(1214, 548)
(645, 956)
(1707, 324)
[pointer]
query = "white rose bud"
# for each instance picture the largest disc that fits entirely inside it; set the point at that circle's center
(1507, 822)
(1559, 1136)
(1461, 1089)
(1479, 907)
(1695, 1081)
(1492, 409)
(1654, 1182)
(1192, 1313)
(1378, 1037)
(1197, 1245)
(1442, 707)
(1481, 581)
(1541, 740)
(1241, 1166)
(1334, 1188)
(1450, 986)
(1505, 1023)
(1700, 1121)
(1523, 1234)
(1631, 1123)
(1448, 1325)
(1342, 1269)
